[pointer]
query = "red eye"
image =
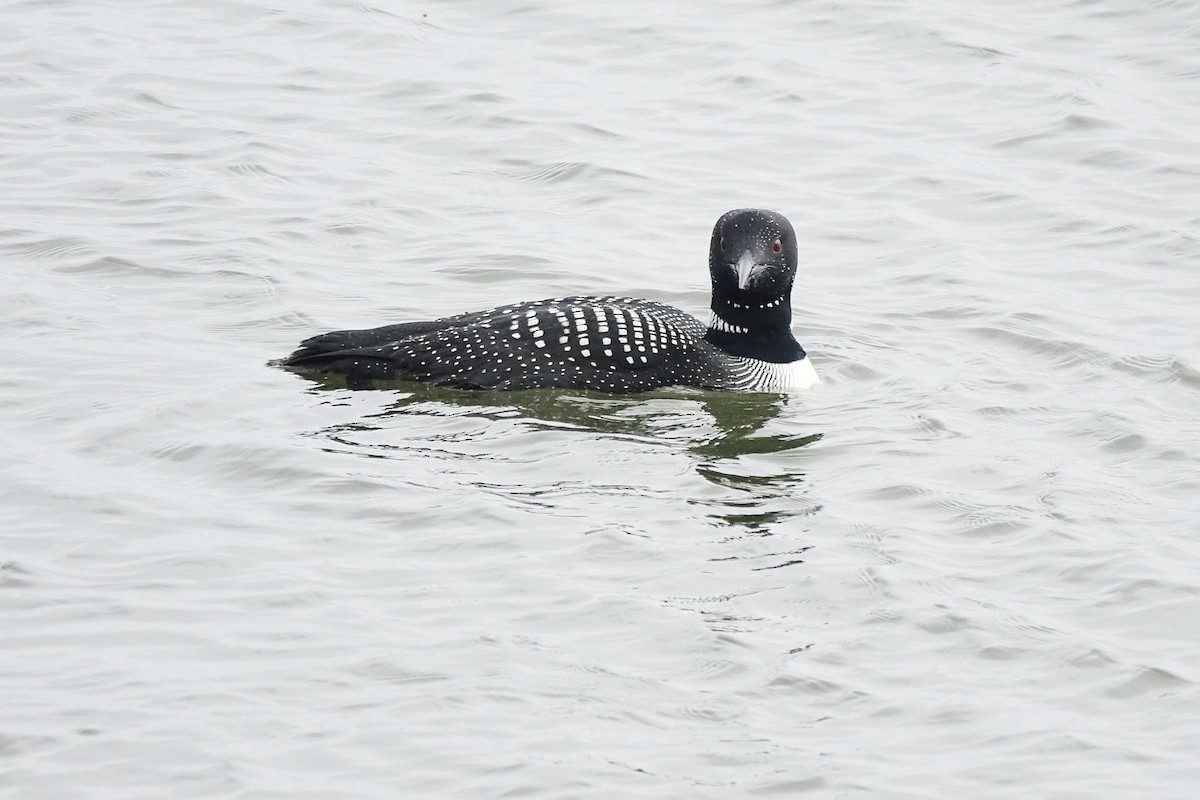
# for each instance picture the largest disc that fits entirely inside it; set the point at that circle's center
(776, 246)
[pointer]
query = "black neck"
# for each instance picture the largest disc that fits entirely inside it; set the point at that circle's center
(758, 332)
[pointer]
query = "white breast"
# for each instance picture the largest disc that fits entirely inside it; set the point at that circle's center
(764, 376)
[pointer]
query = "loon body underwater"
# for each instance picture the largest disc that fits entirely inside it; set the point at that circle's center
(609, 344)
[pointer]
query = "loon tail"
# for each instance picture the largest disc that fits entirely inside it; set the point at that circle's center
(361, 368)
(355, 339)
(354, 353)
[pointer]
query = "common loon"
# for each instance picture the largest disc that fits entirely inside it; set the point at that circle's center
(609, 344)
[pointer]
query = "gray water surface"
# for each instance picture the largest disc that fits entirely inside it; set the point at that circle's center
(964, 566)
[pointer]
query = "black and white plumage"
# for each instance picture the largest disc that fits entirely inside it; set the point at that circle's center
(609, 344)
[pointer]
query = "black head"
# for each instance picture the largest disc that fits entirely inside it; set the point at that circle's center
(752, 259)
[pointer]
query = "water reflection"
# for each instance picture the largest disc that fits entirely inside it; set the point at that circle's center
(653, 415)
(745, 447)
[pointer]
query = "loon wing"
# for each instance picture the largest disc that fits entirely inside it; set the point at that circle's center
(609, 343)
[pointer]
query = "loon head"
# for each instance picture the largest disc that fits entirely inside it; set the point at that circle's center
(752, 259)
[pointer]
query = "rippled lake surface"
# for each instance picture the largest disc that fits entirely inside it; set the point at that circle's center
(964, 566)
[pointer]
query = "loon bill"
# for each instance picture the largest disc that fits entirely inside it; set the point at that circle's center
(609, 344)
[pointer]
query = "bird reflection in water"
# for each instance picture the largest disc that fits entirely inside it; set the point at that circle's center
(755, 481)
